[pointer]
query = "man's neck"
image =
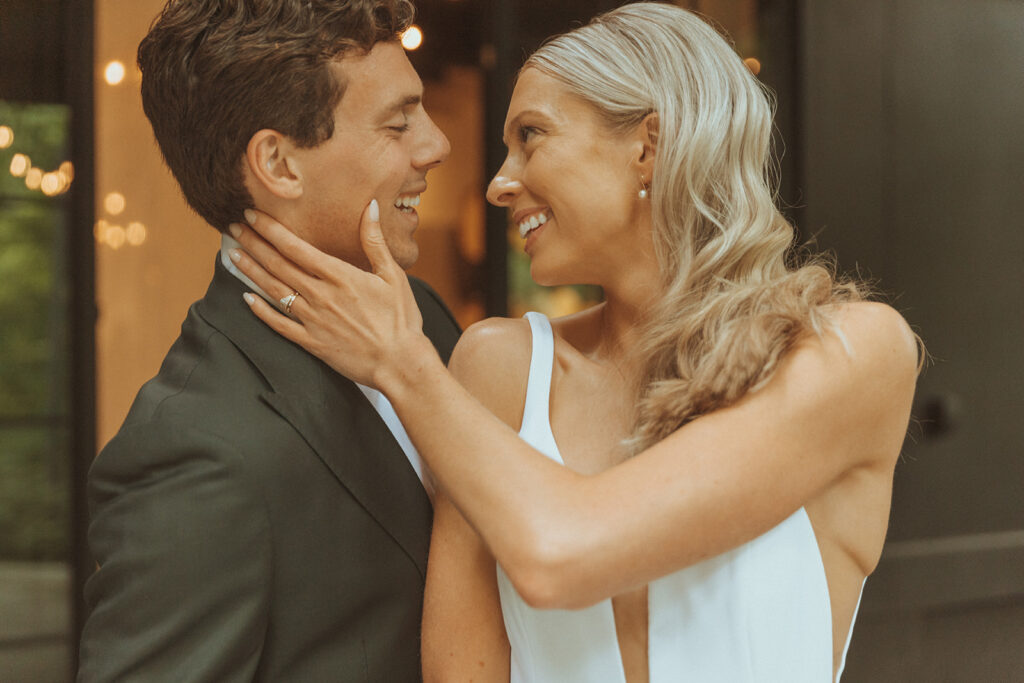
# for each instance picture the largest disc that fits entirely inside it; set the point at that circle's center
(227, 242)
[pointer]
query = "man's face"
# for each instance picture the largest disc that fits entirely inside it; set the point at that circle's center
(382, 147)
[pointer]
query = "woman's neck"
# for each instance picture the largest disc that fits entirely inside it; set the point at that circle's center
(627, 302)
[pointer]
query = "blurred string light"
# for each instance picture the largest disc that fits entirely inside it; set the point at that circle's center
(115, 203)
(114, 73)
(753, 64)
(67, 172)
(50, 183)
(113, 234)
(34, 178)
(99, 231)
(412, 38)
(20, 163)
(135, 233)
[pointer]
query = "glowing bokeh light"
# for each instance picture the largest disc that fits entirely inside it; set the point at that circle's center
(114, 73)
(50, 184)
(20, 164)
(753, 64)
(114, 203)
(67, 170)
(412, 38)
(34, 178)
(135, 234)
(115, 236)
(100, 231)
(6, 137)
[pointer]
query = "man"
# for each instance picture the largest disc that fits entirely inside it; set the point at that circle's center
(256, 517)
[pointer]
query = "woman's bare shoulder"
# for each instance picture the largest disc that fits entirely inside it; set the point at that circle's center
(862, 344)
(492, 360)
(858, 377)
(878, 332)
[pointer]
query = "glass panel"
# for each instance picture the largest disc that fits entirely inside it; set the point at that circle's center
(34, 448)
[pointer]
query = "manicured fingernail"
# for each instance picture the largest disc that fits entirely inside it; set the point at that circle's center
(235, 255)
(235, 229)
(249, 297)
(374, 210)
(250, 216)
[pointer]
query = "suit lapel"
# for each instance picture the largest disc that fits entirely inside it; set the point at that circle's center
(357, 447)
(333, 416)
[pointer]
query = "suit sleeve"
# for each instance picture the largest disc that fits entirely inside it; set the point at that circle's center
(181, 538)
(439, 323)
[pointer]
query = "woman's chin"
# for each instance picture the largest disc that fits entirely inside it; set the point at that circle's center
(546, 278)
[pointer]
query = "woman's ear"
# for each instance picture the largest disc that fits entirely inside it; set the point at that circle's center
(272, 164)
(647, 146)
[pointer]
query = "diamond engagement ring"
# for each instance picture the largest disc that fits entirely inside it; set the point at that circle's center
(287, 302)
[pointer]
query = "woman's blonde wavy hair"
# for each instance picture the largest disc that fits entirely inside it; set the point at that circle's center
(733, 304)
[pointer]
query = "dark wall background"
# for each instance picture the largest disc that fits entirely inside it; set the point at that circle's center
(911, 167)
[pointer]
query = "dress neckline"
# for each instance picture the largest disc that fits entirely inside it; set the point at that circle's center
(537, 422)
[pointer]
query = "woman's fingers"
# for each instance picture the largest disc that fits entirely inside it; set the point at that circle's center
(266, 266)
(277, 321)
(291, 247)
(265, 280)
(357, 322)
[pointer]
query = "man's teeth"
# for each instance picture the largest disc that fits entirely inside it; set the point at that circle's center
(532, 223)
(407, 201)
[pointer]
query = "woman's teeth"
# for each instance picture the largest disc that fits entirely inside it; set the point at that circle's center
(407, 202)
(532, 223)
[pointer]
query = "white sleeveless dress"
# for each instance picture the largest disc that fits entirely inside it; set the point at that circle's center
(759, 613)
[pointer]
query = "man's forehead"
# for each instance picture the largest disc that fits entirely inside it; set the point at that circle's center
(379, 82)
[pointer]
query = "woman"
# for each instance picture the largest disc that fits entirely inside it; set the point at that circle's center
(728, 424)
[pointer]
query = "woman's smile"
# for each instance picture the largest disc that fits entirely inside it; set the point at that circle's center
(531, 237)
(530, 219)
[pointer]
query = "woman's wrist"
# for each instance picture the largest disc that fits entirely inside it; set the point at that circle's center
(408, 370)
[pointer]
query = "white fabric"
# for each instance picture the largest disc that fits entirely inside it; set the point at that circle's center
(378, 400)
(757, 614)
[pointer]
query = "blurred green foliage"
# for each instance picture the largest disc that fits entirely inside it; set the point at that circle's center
(34, 485)
(34, 454)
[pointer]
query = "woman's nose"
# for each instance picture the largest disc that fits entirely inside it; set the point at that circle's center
(503, 189)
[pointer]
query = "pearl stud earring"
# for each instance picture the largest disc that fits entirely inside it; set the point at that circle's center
(642, 194)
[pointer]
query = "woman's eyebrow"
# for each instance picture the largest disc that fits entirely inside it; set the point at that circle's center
(512, 124)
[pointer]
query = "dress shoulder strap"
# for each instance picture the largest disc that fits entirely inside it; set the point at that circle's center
(536, 427)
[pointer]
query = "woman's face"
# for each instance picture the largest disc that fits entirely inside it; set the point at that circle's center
(570, 182)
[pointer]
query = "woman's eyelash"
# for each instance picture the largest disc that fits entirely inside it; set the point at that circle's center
(525, 132)
(400, 129)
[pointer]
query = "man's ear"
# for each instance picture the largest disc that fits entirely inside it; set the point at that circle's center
(269, 155)
(646, 146)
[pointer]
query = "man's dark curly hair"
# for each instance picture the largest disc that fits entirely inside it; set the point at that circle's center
(214, 72)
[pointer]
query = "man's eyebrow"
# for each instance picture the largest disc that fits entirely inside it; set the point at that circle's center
(399, 105)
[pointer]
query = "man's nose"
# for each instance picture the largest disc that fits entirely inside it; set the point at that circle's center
(435, 147)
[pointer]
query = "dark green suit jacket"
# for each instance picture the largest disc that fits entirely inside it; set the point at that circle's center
(254, 519)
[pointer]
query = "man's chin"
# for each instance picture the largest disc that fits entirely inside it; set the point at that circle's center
(406, 256)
